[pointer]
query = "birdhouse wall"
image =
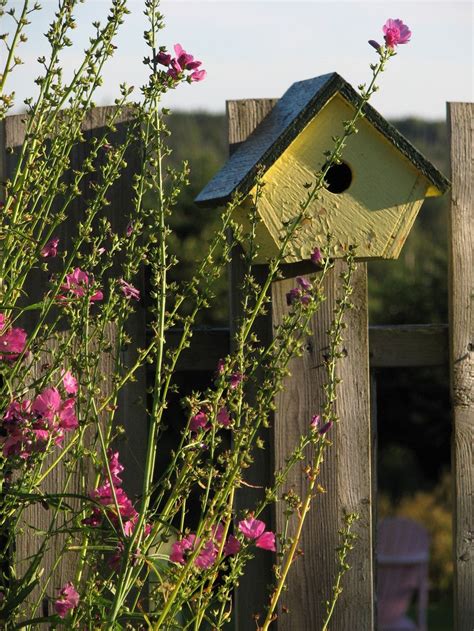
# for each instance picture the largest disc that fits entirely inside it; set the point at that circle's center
(377, 210)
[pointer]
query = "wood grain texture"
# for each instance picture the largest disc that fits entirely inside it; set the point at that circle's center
(252, 593)
(408, 345)
(131, 412)
(461, 292)
(346, 472)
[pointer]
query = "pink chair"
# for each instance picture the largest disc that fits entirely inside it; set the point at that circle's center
(402, 572)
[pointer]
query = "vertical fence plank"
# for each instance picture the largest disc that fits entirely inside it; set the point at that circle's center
(461, 292)
(252, 594)
(131, 412)
(348, 467)
(345, 473)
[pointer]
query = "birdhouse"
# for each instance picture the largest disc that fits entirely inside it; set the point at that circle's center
(372, 198)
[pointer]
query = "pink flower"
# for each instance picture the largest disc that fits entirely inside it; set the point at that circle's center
(251, 528)
(206, 556)
(223, 417)
(198, 421)
(304, 283)
(128, 290)
(77, 284)
(163, 58)
(316, 256)
(12, 340)
(235, 380)
(50, 249)
(115, 467)
(68, 599)
(67, 417)
(180, 548)
(316, 419)
(220, 367)
(47, 404)
(69, 382)
(232, 546)
(254, 529)
(266, 541)
(315, 424)
(198, 75)
(395, 33)
(129, 229)
(184, 59)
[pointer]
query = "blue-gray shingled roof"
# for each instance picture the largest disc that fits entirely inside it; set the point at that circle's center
(300, 103)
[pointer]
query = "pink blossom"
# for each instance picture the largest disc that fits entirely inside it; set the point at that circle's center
(236, 379)
(198, 421)
(77, 284)
(293, 296)
(395, 33)
(115, 467)
(266, 541)
(220, 367)
(12, 340)
(304, 283)
(69, 382)
(180, 548)
(68, 599)
(67, 417)
(129, 229)
(232, 546)
(207, 555)
(128, 290)
(198, 75)
(251, 527)
(50, 249)
(163, 58)
(185, 60)
(223, 417)
(316, 422)
(254, 529)
(316, 256)
(48, 403)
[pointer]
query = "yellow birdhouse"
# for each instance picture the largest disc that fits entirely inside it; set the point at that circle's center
(372, 197)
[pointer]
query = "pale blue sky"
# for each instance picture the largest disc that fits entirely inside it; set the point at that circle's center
(257, 48)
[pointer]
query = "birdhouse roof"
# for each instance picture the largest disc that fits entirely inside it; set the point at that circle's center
(297, 107)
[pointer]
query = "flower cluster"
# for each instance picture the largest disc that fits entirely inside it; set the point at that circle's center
(68, 599)
(30, 426)
(12, 340)
(77, 285)
(200, 421)
(208, 553)
(177, 66)
(254, 529)
(302, 293)
(114, 501)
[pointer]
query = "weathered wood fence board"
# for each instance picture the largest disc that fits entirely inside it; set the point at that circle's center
(345, 473)
(347, 470)
(131, 412)
(461, 278)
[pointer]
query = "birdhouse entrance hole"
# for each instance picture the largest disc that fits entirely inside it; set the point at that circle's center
(339, 178)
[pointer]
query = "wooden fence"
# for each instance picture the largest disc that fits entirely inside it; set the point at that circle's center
(349, 470)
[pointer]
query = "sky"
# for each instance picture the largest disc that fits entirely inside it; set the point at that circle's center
(258, 48)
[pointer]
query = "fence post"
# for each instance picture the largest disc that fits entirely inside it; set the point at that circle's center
(461, 321)
(347, 471)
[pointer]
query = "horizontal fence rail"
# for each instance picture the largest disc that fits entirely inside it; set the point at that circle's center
(389, 346)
